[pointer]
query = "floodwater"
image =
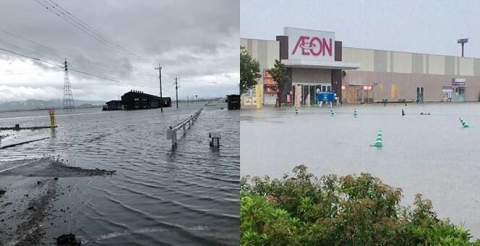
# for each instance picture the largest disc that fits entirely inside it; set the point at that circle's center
(428, 154)
(189, 196)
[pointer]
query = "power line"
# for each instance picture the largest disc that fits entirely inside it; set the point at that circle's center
(18, 47)
(93, 30)
(21, 73)
(86, 29)
(107, 78)
(53, 49)
(30, 57)
(75, 68)
(90, 64)
(58, 12)
(93, 65)
(72, 69)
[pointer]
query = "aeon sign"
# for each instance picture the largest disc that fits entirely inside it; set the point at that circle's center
(310, 44)
(314, 46)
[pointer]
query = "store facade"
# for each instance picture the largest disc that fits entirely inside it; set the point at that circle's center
(316, 62)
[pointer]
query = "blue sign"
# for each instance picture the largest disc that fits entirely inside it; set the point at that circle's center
(326, 96)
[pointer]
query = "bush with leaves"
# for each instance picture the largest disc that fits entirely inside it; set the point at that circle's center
(351, 210)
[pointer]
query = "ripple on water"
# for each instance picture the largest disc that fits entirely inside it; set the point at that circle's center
(159, 196)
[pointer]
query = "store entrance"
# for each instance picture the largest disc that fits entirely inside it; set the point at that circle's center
(458, 94)
(309, 92)
(355, 94)
(420, 97)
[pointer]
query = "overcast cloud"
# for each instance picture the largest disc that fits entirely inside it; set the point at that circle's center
(427, 26)
(197, 41)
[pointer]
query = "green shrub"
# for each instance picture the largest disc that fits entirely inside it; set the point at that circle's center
(351, 210)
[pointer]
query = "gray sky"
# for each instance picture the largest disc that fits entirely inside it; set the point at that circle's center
(196, 40)
(427, 26)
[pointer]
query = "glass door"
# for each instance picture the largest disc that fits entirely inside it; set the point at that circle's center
(304, 94)
(311, 91)
(461, 94)
(420, 95)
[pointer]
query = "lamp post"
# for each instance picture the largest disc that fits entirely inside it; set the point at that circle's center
(462, 41)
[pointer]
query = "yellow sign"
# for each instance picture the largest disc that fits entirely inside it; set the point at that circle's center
(298, 95)
(393, 92)
(259, 94)
(51, 112)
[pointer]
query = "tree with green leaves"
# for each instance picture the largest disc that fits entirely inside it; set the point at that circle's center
(249, 71)
(302, 209)
(279, 74)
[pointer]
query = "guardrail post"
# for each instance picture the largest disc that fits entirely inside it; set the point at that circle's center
(171, 134)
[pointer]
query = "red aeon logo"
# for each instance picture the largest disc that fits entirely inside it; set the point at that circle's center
(315, 46)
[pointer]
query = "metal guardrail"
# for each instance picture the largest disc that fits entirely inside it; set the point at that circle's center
(172, 131)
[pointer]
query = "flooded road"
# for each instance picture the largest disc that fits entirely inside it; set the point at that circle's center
(428, 154)
(158, 196)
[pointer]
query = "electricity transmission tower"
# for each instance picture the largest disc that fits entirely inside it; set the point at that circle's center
(68, 103)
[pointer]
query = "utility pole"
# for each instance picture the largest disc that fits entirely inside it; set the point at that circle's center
(176, 89)
(159, 68)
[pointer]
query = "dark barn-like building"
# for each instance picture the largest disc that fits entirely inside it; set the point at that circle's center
(114, 105)
(140, 100)
(233, 102)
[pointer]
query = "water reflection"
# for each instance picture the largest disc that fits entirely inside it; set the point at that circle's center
(188, 196)
(428, 154)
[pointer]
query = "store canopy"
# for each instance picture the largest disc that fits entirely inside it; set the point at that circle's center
(321, 64)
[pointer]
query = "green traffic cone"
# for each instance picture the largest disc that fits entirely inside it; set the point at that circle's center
(464, 123)
(379, 140)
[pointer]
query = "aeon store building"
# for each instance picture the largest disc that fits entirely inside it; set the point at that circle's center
(316, 62)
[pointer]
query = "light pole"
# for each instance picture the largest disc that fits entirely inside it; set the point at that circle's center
(462, 41)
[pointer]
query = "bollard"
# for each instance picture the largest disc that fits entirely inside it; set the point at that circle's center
(403, 112)
(51, 112)
(355, 113)
(464, 123)
(296, 111)
(214, 139)
(332, 112)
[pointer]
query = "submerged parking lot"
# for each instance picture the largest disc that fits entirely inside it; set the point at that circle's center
(428, 154)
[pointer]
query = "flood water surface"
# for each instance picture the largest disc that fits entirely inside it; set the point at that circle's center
(428, 154)
(188, 196)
